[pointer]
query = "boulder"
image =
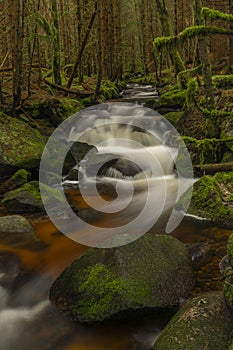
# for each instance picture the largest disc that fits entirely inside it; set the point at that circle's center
(152, 272)
(28, 199)
(205, 322)
(21, 146)
(18, 179)
(15, 224)
(228, 274)
(212, 198)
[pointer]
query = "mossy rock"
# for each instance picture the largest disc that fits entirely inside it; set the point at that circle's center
(228, 274)
(204, 151)
(212, 198)
(17, 180)
(21, 146)
(205, 322)
(172, 99)
(173, 117)
(226, 128)
(17, 231)
(15, 224)
(28, 199)
(154, 271)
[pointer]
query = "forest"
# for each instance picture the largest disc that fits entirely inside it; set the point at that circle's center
(116, 174)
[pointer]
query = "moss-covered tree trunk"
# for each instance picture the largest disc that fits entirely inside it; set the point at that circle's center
(212, 122)
(56, 45)
(231, 39)
(168, 31)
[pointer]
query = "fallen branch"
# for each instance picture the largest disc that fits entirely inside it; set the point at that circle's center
(68, 91)
(213, 168)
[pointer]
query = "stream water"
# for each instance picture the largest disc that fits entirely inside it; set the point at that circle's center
(29, 266)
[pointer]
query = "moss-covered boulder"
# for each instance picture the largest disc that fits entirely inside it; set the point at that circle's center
(15, 224)
(15, 230)
(154, 271)
(21, 146)
(205, 322)
(228, 274)
(28, 199)
(212, 198)
(174, 99)
(18, 179)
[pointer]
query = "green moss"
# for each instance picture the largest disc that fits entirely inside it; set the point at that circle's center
(223, 81)
(191, 93)
(21, 175)
(205, 322)
(104, 282)
(173, 117)
(104, 290)
(228, 286)
(230, 249)
(211, 198)
(172, 99)
(21, 146)
(28, 197)
(203, 151)
(169, 42)
(215, 14)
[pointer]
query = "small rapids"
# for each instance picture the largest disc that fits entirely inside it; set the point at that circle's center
(135, 151)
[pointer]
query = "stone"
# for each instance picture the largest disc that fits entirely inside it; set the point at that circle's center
(21, 146)
(205, 322)
(17, 180)
(28, 199)
(212, 198)
(152, 272)
(15, 224)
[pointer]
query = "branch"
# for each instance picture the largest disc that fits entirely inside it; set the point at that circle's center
(213, 168)
(69, 91)
(188, 33)
(215, 14)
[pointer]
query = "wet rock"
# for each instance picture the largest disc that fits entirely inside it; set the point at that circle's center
(18, 179)
(15, 224)
(28, 199)
(224, 264)
(21, 146)
(200, 254)
(154, 271)
(212, 198)
(205, 322)
(10, 268)
(38, 327)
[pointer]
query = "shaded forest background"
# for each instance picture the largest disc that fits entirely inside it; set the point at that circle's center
(71, 42)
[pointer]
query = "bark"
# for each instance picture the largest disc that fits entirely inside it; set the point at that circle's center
(82, 48)
(213, 168)
(168, 31)
(56, 45)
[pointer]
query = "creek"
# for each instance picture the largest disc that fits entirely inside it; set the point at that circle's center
(28, 268)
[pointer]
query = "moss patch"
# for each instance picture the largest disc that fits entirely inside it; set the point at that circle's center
(21, 145)
(203, 323)
(212, 198)
(153, 271)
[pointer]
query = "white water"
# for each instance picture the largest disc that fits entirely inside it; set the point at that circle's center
(139, 136)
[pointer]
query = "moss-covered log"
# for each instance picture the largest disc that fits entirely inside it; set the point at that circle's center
(213, 168)
(189, 33)
(215, 14)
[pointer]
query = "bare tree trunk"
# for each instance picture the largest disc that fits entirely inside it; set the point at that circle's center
(56, 45)
(17, 16)
(84, 43)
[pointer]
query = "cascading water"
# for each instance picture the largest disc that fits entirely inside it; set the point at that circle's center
(137, 152)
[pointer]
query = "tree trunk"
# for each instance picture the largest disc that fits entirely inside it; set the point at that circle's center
(168, 31)
(84, 43)
(56, 45)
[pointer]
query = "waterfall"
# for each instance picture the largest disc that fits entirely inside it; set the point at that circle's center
(137, 152)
